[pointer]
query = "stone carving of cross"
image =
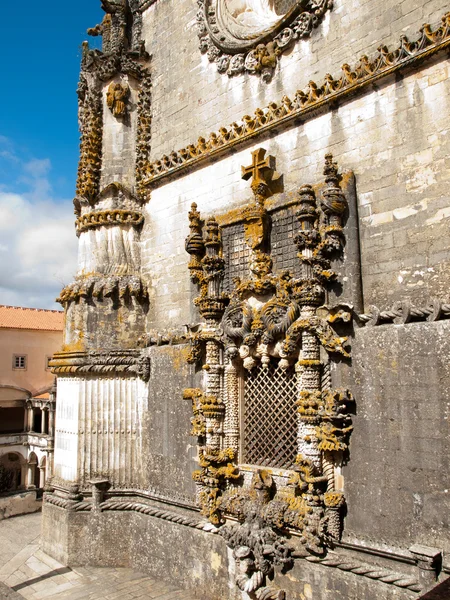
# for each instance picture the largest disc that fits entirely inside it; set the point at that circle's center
(261, 168)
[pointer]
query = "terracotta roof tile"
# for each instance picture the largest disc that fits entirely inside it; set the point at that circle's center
(16, 317)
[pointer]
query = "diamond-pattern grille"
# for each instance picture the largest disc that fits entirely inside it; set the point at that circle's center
(236, 254)
(270, 417)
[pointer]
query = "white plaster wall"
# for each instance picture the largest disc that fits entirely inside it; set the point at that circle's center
(18, 449)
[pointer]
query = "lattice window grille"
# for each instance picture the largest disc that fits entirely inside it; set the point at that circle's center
(269, 417)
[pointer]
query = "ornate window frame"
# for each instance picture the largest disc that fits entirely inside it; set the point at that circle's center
(281, 316)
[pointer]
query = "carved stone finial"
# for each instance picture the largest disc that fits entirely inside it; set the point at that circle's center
(212, 238)
(331, 171)
(307, 210)
(334, 203)
(194, 244)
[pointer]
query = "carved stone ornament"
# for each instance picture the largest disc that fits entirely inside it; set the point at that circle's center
(271, 324)
(123, 55)
(303, 105)
(112, 363)
(249, 35)
(116, 99)
(100, 287)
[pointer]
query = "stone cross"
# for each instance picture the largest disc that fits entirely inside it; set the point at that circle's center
(260, 169)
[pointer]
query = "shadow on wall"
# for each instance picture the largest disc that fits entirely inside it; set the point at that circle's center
(440, 592)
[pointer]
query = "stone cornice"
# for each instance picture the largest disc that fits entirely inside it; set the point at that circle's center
(403, 312)
(113, 363)
(306, 104)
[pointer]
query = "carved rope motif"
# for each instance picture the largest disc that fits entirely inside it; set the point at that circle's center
(249, 331)
(305, 103)
(123, 362)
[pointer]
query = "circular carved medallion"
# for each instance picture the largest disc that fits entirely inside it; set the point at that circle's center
(249, 35)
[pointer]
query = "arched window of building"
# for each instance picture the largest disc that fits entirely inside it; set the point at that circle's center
(33, 471)
(11, 472)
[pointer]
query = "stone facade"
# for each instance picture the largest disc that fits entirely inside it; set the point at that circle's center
(308, 458)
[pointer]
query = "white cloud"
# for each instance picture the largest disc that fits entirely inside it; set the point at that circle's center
(38, 250)
(38, 167)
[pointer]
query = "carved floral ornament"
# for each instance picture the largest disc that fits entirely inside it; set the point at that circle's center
(249, 35)
(271, 321)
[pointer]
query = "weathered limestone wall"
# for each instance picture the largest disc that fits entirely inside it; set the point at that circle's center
(190, 98)
(394, 139)
(19, 504)
(397, 481)
(190, 558)
(170, 452)
(119, 138)
(165, 550)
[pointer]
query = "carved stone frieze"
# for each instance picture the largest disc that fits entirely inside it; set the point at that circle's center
(143, 136)
(101, 287)
(273, 320)
(249, 37)
(91, 127)
(107, 218)
(172, 337)
(123, 362)
(114, 196)
(403, 312)
(306, 102)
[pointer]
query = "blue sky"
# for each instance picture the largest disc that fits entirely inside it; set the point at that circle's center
(40, 44)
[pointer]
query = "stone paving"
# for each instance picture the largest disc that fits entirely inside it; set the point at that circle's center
(30, 573)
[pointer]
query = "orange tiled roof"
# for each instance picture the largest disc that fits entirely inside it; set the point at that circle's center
(16, 317)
